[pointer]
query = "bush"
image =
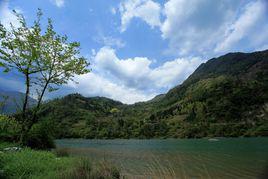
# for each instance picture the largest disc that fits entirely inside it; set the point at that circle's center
(9, 129)
(40, 137)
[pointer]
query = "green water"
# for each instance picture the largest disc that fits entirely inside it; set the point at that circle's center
(178, 158)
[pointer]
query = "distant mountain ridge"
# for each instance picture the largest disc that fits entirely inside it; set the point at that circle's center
(226, 96)
(12, 101)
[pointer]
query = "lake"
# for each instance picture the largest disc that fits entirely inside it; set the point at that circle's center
(177, 158)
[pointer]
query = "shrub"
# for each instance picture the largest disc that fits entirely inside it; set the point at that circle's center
(9, 129)
(40, 137)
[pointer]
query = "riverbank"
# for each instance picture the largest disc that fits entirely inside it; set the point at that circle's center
(27, 163)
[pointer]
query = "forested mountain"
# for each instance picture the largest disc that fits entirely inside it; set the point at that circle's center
(11, 101)
(226, 96)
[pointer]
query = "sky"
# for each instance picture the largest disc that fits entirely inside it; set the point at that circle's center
(141, 48)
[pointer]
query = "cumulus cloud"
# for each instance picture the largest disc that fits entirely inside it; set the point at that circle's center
(7, 16)
(58, 3)
(137, 72)
(132, 80)
(93, 84)
(194, 27)
(209, 28)
(148, 10)
(253, 15)
(203, 27)
(174, 72)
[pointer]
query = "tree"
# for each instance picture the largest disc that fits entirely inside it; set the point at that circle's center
(47, 60)
(20, 50)
(59, 62)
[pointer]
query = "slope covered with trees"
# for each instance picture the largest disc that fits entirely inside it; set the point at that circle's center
(226, 96)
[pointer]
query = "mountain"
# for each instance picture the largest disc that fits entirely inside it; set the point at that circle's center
(226, 96)
(11, 101)
(73, 113)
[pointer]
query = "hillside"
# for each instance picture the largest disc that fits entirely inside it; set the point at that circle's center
(226, 96)
(73, 114)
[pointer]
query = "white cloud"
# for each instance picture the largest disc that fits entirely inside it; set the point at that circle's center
(252, 15)
(147, 10)
(261, 48)
(210, 28)
(58, 3)
(113, 10)
(94, 85)
(203, 27)
(137, 72)
(131, 80)
(109, 41)
(7, 16)
(193, 27)
(174, 72)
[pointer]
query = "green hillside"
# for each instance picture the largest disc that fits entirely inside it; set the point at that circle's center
(226, 96)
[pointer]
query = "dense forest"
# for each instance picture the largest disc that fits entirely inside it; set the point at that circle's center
(226, 96)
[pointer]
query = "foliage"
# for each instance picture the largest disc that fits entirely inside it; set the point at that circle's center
(40, 136)
(9, 129)
(20, 49)
(59, 62)
(46, 60)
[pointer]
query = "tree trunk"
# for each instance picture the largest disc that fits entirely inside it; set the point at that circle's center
(42, 95)
(39, 103)
(26, 96)
(25, 103)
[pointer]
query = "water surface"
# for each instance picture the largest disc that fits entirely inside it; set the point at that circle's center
(177, 158)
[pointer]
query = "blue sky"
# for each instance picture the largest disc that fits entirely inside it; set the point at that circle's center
(141, 48)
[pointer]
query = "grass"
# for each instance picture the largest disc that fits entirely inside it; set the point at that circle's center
(61, 152)
(84, 169)
(32, 164)
(7, 144)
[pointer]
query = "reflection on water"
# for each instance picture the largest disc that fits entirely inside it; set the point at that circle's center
(177, 158)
